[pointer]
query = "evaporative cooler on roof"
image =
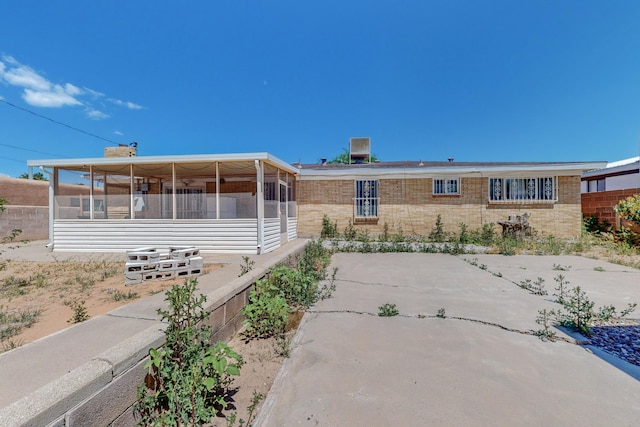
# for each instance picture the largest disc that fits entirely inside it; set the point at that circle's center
(360, 150)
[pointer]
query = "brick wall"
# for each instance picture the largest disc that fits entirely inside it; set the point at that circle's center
(601, 204)
(409, 204)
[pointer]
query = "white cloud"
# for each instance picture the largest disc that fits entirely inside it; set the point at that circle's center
(96, 114)
(119, 133)
(25, 77)
(54, 98)
(40, 92)
(128, 104)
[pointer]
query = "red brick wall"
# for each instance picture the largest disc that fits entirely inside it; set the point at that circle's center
(600, 204)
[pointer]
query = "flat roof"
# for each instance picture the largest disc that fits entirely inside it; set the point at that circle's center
(426, 168)
(138, 160)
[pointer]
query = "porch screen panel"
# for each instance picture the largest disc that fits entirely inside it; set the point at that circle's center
(195, 190)
(116, 192)
(238, 190)
(149, 183)
(291, 196)
(270, 191)
(72, 195)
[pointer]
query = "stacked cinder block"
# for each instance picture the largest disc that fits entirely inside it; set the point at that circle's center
(149, 264)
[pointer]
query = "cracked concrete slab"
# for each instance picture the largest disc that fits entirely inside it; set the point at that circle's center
(357, 369)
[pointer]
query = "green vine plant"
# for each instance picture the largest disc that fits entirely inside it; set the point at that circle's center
(189, 378)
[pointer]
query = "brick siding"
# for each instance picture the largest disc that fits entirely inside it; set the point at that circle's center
(410, 206)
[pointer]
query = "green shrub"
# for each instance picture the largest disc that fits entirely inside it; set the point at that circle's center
(267, 313)
(629, 208)
(188, 381)
(329, 229)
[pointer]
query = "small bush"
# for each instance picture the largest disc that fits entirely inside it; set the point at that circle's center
(80, 313)
(189, 379)
(388, 310)
(329, 229)
(629, 208)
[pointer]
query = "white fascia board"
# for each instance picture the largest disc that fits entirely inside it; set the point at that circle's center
(612, 170)
(524, 170)
(139, 160)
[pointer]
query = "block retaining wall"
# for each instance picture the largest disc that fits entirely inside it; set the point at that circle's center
(102, 391)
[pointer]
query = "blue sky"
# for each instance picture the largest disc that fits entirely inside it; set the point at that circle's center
(541, 80)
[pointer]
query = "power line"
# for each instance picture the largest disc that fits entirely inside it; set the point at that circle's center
(33, 151)
(57, 122)
(13, 160)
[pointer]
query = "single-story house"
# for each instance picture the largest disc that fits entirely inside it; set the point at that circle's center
(409, 196)
(225, 203)
(252, 203)
(603, 188)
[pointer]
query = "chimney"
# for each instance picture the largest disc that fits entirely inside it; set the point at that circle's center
(122, 150)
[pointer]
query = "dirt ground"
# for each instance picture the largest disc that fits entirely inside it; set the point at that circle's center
(49, 287)
(52, 287)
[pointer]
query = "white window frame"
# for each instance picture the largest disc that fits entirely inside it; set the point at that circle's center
(442, 186)
(366, 200)
(531, 189)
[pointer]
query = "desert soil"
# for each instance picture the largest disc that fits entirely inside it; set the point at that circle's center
(50, 286)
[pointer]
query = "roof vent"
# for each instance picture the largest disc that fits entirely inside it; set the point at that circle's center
(360, 150)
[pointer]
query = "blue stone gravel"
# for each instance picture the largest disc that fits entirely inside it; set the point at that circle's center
(621, 339)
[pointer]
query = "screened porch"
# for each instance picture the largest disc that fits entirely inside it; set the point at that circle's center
(233, 203)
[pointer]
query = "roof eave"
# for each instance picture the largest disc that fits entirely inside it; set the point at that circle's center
(137, 160)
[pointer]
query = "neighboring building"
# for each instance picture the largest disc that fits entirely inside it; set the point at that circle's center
(228, 203)
(603, 188)
(409, 196)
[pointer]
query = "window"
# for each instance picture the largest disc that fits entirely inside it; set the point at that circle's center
(366, 199)
(526, 189)
(446, 186)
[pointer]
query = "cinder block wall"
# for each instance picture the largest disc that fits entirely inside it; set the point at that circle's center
(601, 204)
(410, 206)
(32, 220)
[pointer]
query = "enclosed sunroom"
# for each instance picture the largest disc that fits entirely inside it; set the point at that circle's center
(227, 203)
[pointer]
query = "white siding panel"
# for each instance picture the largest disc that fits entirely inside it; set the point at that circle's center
(271, 234)
(292, 228)
(211, 236)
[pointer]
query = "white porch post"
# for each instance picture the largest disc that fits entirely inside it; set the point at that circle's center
(91, 202)
(217, 190)
(173, 191)
(260, 202)
(132, 214)
(53, 186)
